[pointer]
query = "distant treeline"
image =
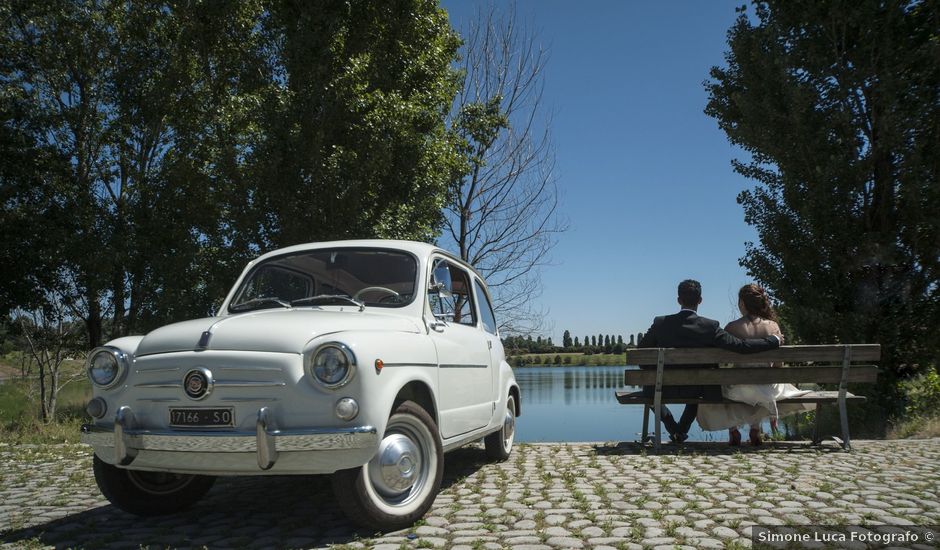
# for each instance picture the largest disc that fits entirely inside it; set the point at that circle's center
(600, 343)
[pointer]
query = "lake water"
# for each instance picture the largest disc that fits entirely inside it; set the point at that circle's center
(568, 403)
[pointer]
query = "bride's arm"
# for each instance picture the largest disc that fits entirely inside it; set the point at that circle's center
(775, 329)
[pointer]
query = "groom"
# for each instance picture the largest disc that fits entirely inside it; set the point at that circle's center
(687, 330)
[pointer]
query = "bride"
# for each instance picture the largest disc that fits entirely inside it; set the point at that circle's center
(756, 402)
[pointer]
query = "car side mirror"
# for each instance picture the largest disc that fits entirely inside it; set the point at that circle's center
(441, 282)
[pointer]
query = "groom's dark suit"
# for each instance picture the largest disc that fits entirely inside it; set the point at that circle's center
(687, 330)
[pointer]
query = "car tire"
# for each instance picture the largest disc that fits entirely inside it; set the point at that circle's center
(499, 444)
(149, 493)
(399, 484)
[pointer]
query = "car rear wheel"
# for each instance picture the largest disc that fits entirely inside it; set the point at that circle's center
(149, 493)
(399, 484)
(499, 444)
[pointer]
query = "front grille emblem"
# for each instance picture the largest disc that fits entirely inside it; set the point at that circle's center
(197, 383)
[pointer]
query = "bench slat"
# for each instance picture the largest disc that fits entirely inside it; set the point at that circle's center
(674, 376)
(691, 356)
(637, 398)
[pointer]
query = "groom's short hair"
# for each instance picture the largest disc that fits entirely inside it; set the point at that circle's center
(690, 293)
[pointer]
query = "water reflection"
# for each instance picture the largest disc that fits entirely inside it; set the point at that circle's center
(570, 385)
(577, 403)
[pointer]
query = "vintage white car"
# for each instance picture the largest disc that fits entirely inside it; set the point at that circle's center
(362, 359)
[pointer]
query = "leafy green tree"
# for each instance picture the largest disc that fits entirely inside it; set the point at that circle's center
(566, 340)
(351, 140)
(166, 143)
(99, 91)
(576, 343)
(837, 107)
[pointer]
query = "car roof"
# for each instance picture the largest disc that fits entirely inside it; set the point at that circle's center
(417, 248)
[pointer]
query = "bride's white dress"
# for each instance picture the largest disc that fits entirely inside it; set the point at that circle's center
(756, 402)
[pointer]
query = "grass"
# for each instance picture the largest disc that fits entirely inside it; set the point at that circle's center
(916, 428)
(19, 410)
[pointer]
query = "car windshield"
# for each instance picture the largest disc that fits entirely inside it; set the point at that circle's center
(340, 276)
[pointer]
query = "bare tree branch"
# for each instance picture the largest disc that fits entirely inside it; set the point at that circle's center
(503, 215)
(51, 336)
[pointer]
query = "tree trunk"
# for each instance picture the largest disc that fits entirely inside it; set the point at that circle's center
(43, 411)
(53, 394)
(93, 322)
(118, 327)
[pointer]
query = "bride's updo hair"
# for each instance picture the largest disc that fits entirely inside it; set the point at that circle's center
(757, 302)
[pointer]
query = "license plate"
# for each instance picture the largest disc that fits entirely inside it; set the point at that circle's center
(199, 417)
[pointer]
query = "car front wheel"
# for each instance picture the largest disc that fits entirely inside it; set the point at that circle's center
(399, 484)
(149, 493)
(499, 444)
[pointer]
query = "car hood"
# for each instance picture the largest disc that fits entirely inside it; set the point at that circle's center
(274, 330)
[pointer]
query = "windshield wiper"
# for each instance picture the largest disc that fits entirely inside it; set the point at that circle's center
(327, 298)
(258, 303)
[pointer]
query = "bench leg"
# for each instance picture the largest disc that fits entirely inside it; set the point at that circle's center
(658, 398)
(658, 428)
(844, 417)
(843, 389)
(816, 438)
(646, 423)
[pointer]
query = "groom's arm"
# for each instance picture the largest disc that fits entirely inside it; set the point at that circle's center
(724, 340)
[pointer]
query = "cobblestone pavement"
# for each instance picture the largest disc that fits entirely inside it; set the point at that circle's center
(545, 496)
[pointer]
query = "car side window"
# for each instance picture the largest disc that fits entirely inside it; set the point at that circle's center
(453, 301)
(486, 310)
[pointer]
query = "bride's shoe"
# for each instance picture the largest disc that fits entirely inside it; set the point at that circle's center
(755, 437)
(734, 437)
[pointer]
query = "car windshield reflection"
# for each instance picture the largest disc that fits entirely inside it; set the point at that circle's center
(360, 277)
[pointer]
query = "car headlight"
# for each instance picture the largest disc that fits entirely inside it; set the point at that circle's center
(106, 366)
(332, 365)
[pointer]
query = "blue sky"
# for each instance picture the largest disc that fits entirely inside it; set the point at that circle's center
(646, 177)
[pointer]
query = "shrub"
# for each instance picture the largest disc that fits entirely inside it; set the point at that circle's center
(922, 395)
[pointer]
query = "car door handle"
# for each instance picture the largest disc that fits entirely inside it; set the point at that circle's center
(489, 344)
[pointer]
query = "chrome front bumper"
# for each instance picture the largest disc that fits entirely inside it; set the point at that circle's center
(266, 441)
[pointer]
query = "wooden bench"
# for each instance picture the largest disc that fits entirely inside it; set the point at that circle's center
(837, 368)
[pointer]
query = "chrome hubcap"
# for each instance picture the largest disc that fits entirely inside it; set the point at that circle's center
(397, 465)
(509, 424)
